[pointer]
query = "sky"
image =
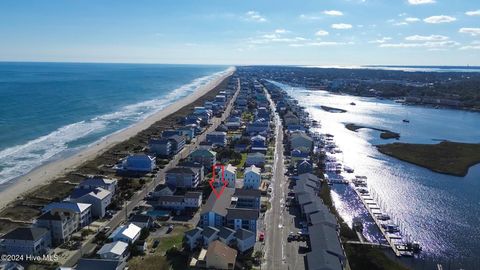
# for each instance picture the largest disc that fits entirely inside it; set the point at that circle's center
(243, 32)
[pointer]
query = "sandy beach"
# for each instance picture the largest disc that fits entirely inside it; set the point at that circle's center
(44, 174)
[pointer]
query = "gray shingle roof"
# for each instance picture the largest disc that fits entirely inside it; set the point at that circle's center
(242, 213)
(219, 205)
(27, 234)
(243, 234)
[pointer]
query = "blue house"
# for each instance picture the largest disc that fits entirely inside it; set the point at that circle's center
(178, 142)
(160, 146)
(217, 138)
(258, 143)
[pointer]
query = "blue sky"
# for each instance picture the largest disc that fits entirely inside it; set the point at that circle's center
(310, 32)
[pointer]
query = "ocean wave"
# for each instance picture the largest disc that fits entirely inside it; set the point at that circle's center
(18, 160)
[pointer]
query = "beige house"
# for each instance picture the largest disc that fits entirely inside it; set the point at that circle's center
(220, 256)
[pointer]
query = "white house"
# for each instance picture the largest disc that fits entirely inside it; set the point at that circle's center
(98, 197)
(127, 233)
(82, 212)
(117, 250)
(230, 175)
(252, 177)
(99, 182)
(25, 241)
(245, 239)
(137, 163)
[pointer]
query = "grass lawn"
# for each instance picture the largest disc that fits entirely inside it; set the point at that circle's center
(446, 157)
(166, 255)
(364, 257)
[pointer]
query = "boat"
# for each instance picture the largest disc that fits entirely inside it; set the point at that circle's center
(352, 103)
(406, 121)
(357, 224)
(348, 169)
(383, 217)
(391, 228)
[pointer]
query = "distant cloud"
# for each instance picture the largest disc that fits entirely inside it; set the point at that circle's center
(400, 23)
(333, 13)
(475, 45)
(471, 31)
(277, 36)
(427, 38)
(412, 19)
(381, 40)
(473, 13)
(341, 26)
(281, 31)
(254, 16)
(421, 2)
(321, 33)
(440, 19)
(320, 44)
(432, 45)
(309, 17)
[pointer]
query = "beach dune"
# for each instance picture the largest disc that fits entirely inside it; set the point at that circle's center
(44, 174)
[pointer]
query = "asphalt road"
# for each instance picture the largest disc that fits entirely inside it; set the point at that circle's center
(279, 253)
(122, 215)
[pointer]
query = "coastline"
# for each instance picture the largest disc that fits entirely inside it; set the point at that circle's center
(50, 171)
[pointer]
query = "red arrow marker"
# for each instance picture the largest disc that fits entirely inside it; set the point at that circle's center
(224, 183)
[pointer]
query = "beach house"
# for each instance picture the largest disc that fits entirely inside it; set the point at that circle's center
(160, 146)
(138, 163)
(128, 233)
(301, 141)
(194, 237)
(61, 225)
(81, 212)
(98, 197)
(220, 256)
(189, 200)
(257, 159)
(245, 240)
(217, 138)
(183, 177)
(258, 143)
(26, 241)
(117, 250)
(245, 218)
(252, 178)
(99, 182)
(205, 157)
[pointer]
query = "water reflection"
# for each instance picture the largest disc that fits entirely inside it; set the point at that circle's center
(442, 212)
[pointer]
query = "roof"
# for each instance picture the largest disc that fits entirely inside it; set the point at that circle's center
(89, 264)
(219, 249)
(231, 168)
(97, 181)
(253, 169)
(219, 205)
(98, 193)
(50, 216)
(72, 206)
(304, 198)
(209, 231)
(313, 207)
(193, 231)
(171, 198)
(129, 231)
(243, 234)
(217, 133)
(325, 238)
(26, 234)
(240, 192)
(117, 248)
(323, 217)
(176, 138)
(184, 170)
(201, 152)
(242, 213)
(164, 190)
(140, 218)
(299, 134)
(322, 260)
(225, 232)
(193, 194)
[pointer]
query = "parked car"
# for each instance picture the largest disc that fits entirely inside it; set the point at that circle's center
(261, 237)
(170, 228)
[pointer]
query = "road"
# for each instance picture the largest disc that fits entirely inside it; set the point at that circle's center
(279, 253)
(122, 215)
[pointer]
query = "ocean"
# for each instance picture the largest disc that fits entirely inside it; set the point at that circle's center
(440, 211)
(49, 110)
